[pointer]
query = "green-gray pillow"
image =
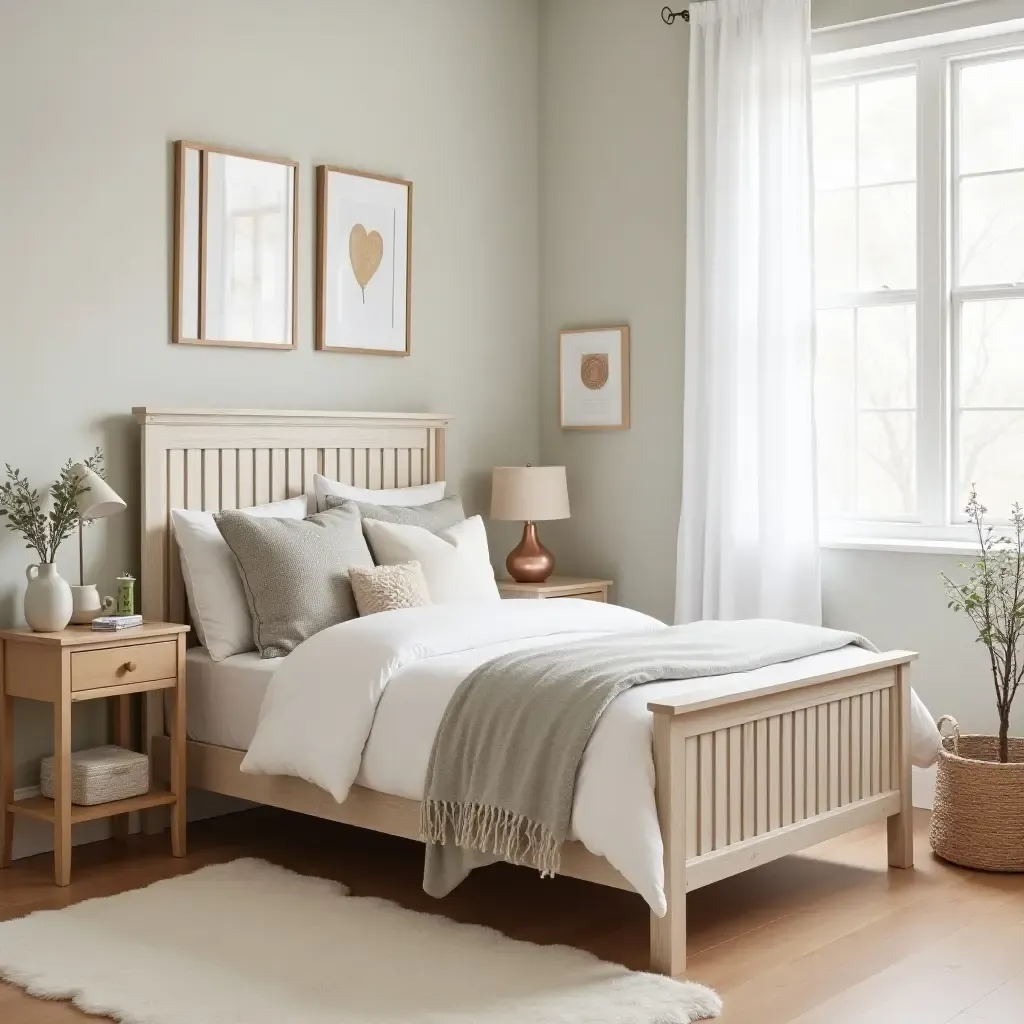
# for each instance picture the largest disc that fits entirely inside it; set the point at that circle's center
(295, 572)
(435, 516)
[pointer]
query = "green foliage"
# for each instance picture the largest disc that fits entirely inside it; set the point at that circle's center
(45, 531)
(992, 597)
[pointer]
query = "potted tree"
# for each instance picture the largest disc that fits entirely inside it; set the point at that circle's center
(979, 797)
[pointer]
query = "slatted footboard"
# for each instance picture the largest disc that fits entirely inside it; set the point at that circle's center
(746, 778)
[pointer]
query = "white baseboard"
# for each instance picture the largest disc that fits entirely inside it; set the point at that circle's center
(924, 787)
(32, 837)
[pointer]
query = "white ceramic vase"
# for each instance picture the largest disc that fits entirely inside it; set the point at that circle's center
(48, 603)
(87, 604)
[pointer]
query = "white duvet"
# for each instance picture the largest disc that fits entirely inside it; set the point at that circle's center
(360, 703)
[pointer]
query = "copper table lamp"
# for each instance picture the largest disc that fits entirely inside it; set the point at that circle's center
(530, 493)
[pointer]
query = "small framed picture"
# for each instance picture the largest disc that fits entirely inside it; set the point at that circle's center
(363, 267)
(594, 378)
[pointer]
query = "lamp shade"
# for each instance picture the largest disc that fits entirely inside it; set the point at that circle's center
(529, 493)
(99, 500)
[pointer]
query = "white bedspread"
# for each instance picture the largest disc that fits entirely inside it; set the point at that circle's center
(318, 722)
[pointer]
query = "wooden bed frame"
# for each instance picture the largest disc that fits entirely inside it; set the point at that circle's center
(741, 779)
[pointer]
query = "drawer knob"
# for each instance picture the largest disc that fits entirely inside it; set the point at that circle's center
(130, 666)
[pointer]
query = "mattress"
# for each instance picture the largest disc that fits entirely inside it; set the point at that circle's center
(224, 700)
(224, 697)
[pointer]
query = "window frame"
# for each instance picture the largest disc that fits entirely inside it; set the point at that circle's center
(936, 63)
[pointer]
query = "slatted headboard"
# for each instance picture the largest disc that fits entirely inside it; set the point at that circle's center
(233, 458)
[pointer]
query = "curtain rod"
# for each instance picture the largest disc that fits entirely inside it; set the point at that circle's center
(668, 15)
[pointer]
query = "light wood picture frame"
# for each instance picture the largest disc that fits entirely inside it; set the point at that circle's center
(593, 378)
(235, 255)
(363, 262)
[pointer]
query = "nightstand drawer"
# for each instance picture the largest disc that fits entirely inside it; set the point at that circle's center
(591, 595)
(115, 666)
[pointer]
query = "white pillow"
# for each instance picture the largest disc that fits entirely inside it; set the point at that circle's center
(220, 613)
(455, 562)
(404, 496)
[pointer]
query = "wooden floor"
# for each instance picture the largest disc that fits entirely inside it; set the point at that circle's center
(827, 938)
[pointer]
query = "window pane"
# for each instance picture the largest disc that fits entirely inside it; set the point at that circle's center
(835, 241)
(991, 399)
(990, 457)
(991, 370)
(834, 142)
(886, 464)
(888, 247)
(865, 237)
(887, 131)
(992, 229)
(835, 412)
(865, 399)
(992, 116)
(887, 357)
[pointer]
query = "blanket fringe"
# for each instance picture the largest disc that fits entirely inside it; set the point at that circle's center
(513, 837)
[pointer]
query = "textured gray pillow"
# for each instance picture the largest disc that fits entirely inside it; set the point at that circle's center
(434, 516)
(295, 572)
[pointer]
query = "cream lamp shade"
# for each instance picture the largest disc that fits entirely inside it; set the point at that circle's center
(99, 500)
(529, 493)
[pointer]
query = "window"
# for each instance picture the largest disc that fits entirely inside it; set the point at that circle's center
(988, 279)
(919, 233)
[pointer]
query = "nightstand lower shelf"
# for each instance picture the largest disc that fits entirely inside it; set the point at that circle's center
(41, 807)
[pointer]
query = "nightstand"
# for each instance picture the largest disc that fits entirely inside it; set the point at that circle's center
(80, 664)
(556, 586)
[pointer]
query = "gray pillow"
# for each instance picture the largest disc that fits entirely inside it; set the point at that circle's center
(435, 516)
(295, 572)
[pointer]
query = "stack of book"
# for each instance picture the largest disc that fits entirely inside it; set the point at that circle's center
(112, 623)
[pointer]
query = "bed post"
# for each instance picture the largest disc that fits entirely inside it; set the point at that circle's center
(668, 933)
(154, 506)
(901, 826)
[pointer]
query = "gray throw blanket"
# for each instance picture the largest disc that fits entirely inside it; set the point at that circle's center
(502, 772)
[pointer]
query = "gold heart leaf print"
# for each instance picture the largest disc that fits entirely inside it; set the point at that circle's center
(365, 250)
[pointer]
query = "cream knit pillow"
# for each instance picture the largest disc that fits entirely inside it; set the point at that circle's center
(387, 587)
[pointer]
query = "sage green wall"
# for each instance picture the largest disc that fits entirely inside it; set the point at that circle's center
(613, 246)
(92, 94)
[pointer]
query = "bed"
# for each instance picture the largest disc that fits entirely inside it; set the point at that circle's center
(743, 774)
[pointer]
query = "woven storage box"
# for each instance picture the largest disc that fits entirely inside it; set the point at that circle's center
(978, 821)
(100, 775)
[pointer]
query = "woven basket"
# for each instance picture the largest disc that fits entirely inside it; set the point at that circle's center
(978, 820)
(100, 775)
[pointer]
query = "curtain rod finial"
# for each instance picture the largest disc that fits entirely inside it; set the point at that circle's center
(669, 16)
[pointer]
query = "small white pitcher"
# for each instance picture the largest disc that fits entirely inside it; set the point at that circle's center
(48, 603)
(87, 604)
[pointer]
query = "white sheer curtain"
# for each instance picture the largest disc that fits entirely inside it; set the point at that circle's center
(748, 534)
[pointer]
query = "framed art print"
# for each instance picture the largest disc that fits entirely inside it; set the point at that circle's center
(594, 378)
(364, 246)
(235, 240)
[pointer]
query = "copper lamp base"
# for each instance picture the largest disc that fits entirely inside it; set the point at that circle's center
(530, 561)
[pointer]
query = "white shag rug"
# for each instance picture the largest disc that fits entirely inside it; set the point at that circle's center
(251, 943)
